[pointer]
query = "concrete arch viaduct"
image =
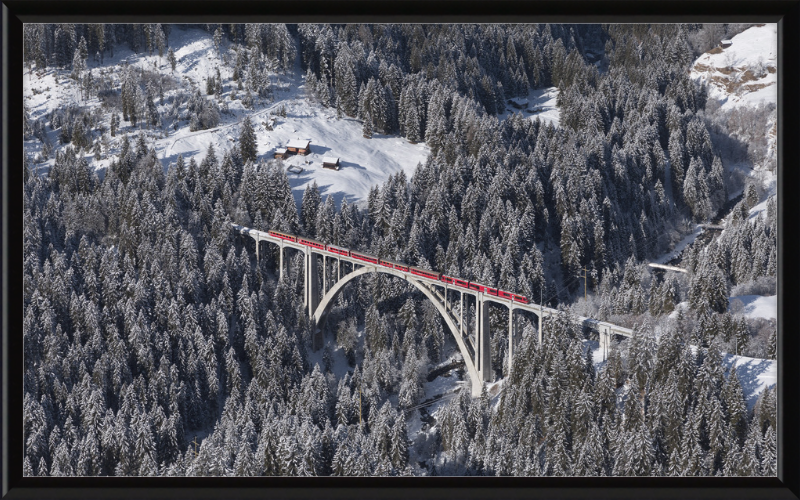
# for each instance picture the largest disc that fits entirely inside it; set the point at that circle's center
(476, 350)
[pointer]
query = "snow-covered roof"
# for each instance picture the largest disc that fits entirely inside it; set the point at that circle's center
(298, 143)
(725, 42)
(295, 169)
(280, 151)
(330, 159)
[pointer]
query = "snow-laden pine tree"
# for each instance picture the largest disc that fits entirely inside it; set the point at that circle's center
(248, 148)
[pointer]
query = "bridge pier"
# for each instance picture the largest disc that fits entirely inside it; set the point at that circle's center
(461, 321)
(483, 351)
(280, 264)
(605, 341)
(510, 337)
(540, 324)
(312, 296)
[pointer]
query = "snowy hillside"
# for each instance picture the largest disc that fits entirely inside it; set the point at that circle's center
(745, 73)
(364, 162)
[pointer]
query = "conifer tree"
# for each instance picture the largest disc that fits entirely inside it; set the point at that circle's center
(173, 61)
(248, 148)
(309, 207)
(366, 130)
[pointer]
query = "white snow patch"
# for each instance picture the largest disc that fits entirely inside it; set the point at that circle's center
(758, 306)
(597, 354)
(681, 306)
(760, 208)
(363, 163)
(747, 48)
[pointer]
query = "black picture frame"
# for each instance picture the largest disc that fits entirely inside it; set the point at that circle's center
(15, 13)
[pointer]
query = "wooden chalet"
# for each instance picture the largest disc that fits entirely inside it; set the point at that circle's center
(299, 146)
(281, 153)
(725, 43)
(330, 162)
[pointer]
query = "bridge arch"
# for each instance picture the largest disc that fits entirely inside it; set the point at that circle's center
(330, 297)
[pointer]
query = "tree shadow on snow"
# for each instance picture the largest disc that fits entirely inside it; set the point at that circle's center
(349, 164)
(748, 375)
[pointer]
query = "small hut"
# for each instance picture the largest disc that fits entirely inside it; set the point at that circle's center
(725, 43)
(519, 102)
(299, 146)
(281, 153)
(330, 162)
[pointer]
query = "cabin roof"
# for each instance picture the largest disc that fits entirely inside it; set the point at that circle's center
(330, 159)
(298, 143)
(280, 151)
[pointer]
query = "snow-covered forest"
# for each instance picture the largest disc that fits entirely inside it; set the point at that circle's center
(157, 344)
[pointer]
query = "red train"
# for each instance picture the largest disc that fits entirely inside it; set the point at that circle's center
(424, 273)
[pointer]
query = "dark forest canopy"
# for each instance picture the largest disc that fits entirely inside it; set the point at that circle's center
(148, 322)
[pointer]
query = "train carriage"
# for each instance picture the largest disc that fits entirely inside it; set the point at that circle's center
(521, 299)
(424, 273)
(363, 256)
(455, 281)
(283, 236)
(483, 288)
(338, 251)
(311, 243)
(393, 265)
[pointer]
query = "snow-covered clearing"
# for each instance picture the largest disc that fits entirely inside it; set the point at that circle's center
(543, 104)
(539, 103)
(758, 306)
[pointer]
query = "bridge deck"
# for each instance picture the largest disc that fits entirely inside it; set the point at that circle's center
(534, 308)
